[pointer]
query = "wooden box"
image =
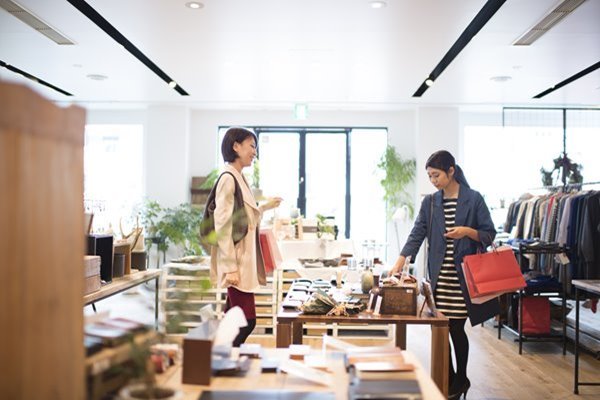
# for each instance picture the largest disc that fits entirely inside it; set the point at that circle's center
(399, 300)
(197, 353)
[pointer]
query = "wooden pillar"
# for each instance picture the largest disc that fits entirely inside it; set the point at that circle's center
(41, 247)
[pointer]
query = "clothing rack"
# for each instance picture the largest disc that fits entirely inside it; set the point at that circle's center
(566, 186)
(521, 250)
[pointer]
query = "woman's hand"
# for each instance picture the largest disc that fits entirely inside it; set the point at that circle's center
(397, 266)
(232, 278)
(273, 202)
(459, 232)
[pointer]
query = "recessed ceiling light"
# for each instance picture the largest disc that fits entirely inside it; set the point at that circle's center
(501, 78)
(194, 4)
(97, 77)
(429, 82)
(172, 84)
(377, 4)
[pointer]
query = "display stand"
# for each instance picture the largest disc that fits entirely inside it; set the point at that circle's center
(522, 250)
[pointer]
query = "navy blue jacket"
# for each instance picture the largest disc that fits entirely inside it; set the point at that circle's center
(471, 211)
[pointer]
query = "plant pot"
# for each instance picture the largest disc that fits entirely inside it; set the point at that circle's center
(139, 391)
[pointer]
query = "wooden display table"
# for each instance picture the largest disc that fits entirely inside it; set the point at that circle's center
(119, 285)
(254, 379)
(290, 324)
(593, 287)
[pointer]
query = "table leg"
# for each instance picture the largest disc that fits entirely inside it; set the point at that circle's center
(284, 334)
(440, 355)
(401, 335)
(297, 332)
(156, 305)
(576, 391)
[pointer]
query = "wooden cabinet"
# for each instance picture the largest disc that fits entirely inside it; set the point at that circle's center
(42, 243)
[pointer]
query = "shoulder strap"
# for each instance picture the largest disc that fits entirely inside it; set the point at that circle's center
(428, 236)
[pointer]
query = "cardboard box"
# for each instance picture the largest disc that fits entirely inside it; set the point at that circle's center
(91, 265)
(92, 284)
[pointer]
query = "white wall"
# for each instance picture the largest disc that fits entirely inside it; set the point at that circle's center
(167, 155)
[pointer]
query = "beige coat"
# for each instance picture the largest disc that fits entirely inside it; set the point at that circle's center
(244, 257)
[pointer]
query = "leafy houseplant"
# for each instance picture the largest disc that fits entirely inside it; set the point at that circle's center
(211, 178)
(179, 226)
(323, 227)
(399, 174)
(566, 172)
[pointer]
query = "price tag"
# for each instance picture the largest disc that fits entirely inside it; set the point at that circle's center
(562, 258)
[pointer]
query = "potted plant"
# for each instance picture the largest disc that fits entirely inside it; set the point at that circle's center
(324, 229)
(255, 180)
(566, 171)
(399, 173)
(142, 377)
(210, 180)
(179, 226)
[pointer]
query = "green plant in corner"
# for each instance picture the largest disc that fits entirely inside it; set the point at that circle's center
(211, 178)
(256, 174)
(399, 173)
(179, 226)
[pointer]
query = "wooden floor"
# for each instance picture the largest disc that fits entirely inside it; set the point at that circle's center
(498, 372)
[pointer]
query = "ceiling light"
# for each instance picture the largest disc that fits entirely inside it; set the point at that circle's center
(429, 82)
(501, 78)
(377, 4)
(97, 77)
(172, 84)
(194, 4)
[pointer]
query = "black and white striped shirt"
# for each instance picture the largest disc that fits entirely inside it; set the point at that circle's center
(448, 295)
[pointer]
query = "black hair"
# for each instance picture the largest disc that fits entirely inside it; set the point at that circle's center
(234, 135)
(443, 160)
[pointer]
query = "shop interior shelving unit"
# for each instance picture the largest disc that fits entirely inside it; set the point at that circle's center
(186, 279)
(521, 250)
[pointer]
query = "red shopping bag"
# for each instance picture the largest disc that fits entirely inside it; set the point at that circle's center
(270, 250)
(536, 316)
(491, 274)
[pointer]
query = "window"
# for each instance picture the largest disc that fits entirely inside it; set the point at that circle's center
(504, 162)
(328, 171)
(583, 141)
(113, 172)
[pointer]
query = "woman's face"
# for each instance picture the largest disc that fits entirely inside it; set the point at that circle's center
(246, 151)
(439, 178)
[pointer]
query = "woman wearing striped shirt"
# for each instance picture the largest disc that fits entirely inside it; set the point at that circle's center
(456, 222)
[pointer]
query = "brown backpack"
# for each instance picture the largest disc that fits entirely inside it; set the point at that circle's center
(239, 228)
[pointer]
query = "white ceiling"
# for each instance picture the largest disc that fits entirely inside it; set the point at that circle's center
(327, 53)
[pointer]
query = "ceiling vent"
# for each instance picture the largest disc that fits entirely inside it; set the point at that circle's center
(28, 18)
(563, 9)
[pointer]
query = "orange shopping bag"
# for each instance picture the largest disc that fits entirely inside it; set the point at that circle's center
(488, 275)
